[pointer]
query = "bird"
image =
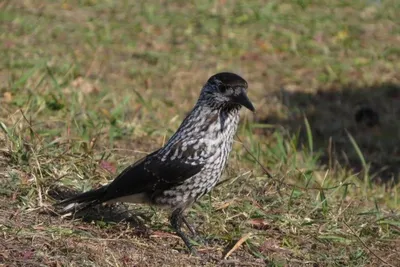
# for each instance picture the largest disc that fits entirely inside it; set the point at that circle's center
(190, 163)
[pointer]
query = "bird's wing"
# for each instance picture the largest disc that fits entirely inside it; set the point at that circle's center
(132, 180)
(182, 161)
(157, 172)
(173, 170)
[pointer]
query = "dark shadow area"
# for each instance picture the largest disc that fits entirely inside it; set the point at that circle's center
(371, 115)
(110, 214)
(117, 213)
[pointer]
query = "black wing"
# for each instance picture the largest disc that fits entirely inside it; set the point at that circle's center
(154, 172)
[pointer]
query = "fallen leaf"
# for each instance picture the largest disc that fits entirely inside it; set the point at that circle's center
(85, 86)
(108, 166)
(28, 255)
(273, 246)
(106, 113)
(7, 97)
(259, 224)
(251, 56)
(66, 6)
(265, 46)
(223, 205)
(238, 244)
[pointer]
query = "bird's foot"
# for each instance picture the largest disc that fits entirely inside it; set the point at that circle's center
(194, 252)
(195, 236)
(176, 222)
(200, 240)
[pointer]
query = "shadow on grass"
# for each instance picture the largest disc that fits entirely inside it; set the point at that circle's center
(371, 115)
(108, 214)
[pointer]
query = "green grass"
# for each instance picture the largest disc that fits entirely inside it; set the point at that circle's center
(87, 87)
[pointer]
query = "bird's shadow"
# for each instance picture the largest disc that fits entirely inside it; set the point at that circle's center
(109, 214)
(369, 115)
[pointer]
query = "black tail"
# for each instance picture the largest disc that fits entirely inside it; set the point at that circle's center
(83, 200)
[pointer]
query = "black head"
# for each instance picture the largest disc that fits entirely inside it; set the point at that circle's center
(227, 89)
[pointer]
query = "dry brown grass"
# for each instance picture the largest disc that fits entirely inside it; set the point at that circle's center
(87, 87)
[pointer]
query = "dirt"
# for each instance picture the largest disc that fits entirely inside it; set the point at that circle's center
(32, 238)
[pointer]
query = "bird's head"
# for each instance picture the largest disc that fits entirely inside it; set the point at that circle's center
(226, 89)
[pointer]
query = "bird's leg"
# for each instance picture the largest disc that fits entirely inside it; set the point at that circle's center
(176, 223)
(189, 226)
(194, 233)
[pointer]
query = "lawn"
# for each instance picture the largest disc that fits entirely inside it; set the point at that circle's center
(89, 86)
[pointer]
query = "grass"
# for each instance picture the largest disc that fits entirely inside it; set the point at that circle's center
(87, 87)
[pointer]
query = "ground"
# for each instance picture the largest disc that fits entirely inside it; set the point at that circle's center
(87, 87)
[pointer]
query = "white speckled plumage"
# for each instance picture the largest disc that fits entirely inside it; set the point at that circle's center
(191, 162)
(205, 131)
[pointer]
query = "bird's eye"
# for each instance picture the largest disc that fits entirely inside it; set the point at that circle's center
(222, 88)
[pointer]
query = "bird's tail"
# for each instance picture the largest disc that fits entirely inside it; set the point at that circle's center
(83, 201)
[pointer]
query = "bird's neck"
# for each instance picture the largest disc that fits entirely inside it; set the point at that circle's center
(216, 106)
(205, 119)
(216, 127)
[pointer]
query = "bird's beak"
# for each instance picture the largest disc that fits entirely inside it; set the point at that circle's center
(243, 100)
